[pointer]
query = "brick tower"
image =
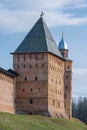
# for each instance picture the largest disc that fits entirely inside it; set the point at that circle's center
(41, 85)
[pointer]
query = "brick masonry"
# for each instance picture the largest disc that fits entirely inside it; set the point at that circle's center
(41, 85)
(7, 95)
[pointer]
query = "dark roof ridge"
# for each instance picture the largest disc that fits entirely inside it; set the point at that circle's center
(44, 30)
(7, 72)
(50, 37)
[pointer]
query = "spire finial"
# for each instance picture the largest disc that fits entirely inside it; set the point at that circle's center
(62, 34)
(42, 14)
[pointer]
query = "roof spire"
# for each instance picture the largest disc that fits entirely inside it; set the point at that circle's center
(62, 34)
(62, 43)
(42, 14)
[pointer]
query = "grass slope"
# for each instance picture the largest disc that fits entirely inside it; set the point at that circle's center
(29, 122)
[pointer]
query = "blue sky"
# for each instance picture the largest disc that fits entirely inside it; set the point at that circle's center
(69, 16)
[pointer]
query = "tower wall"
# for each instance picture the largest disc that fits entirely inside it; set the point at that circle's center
(64, 53)
(40, 84)
(56, 86)
(32, 83)
(68, 88)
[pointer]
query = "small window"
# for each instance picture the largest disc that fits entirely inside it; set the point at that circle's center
(42, 65)
(36, 65)
(58, 104)
(24, 66)
(67, 76)
(23, 90)
(36, 78)
(30, 66)
(31, 89)
(15, 100)
(53, 102)
(63, 54)
(25, 78)
(31, 101)
(66, 87)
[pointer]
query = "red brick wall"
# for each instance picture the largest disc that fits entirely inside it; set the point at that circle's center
(55, 84)
(32, 82)
(41, 79)
(7, 95)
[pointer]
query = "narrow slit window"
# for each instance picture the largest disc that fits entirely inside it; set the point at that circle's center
(31, 101)
(36, 78)
(25, 78)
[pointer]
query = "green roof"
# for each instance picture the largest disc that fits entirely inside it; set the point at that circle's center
(39, 39)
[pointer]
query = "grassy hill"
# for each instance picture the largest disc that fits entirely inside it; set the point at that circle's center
(29, 122)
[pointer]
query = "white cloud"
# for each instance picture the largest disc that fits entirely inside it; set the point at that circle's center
(26, 4)
(79, 6)
(18, 16)
(65, 19)
(42, 4)
(15, 21)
